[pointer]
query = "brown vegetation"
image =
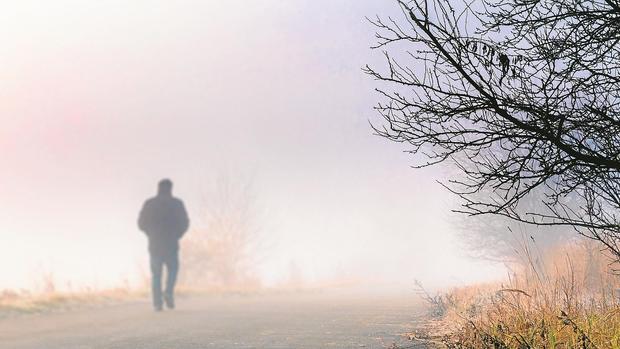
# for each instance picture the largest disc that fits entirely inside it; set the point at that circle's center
(567, 299)
(27, 302)
(220, 253)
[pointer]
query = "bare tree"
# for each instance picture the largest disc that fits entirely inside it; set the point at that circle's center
(222, 250)
(521, 95)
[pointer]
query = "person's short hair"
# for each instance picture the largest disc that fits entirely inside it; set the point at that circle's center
(165, 185)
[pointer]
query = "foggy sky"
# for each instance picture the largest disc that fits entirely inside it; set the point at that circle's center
(100, 100)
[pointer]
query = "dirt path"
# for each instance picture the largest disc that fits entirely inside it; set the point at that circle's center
(288, 321)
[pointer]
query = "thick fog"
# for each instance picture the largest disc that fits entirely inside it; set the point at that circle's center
(100, 100)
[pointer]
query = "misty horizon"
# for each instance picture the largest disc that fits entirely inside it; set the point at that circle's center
(97, 106)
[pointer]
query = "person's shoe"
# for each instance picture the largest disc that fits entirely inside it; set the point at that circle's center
(158, 308)
(169, 301)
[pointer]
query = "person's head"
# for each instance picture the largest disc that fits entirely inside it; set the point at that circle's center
(165, 188)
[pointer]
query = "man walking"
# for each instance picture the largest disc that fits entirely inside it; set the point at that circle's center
(164, 220)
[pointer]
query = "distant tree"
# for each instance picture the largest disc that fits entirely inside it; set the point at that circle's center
(521, 95)
(222, 249)
(502, 239)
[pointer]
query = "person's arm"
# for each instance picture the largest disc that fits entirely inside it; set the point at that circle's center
(183, 220)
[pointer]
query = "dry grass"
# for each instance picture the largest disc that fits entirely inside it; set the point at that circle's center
(49, 298)
(568, 299)
(26, 302)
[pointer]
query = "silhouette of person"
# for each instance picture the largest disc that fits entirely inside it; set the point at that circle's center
(164, 220)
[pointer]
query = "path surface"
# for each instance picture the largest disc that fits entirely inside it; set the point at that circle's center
(288, 321)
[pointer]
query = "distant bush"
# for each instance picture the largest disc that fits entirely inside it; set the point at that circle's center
(220, 253)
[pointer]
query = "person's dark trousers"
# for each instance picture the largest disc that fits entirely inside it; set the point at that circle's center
(170, 260)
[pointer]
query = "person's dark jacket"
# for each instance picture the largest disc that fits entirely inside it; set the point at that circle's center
(164, 220)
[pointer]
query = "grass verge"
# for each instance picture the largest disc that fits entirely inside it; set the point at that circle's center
(568, 298)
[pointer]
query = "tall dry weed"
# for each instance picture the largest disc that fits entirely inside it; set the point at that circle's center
(567, 298)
